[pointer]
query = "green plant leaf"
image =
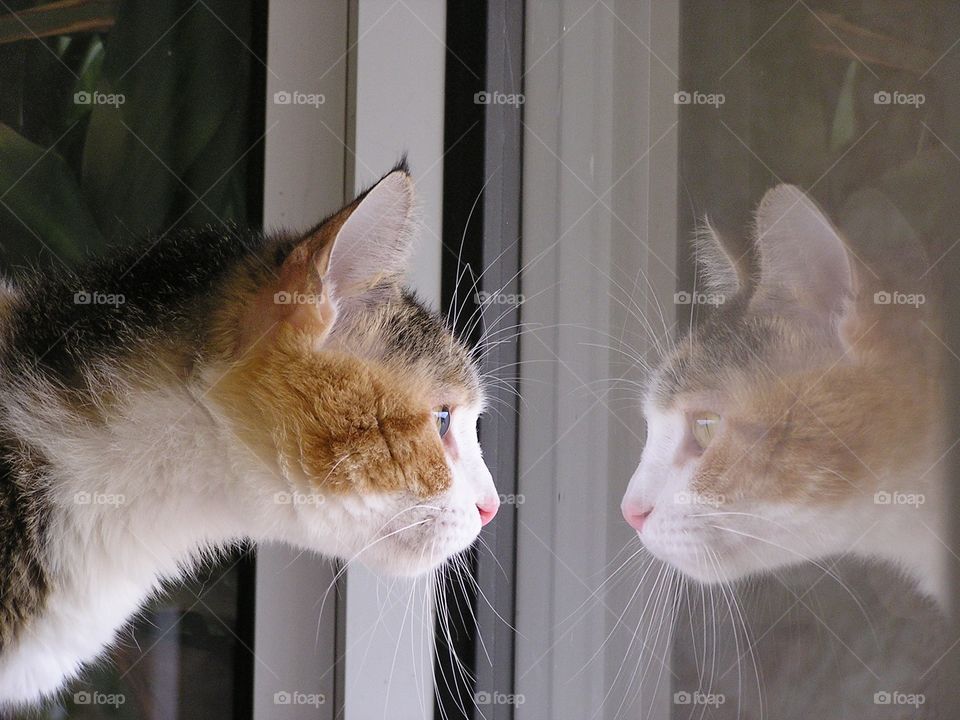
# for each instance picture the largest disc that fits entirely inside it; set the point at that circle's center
(175, 66)
(41, 204)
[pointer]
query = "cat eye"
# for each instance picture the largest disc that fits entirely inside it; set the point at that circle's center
(442, 418)
(704, 426)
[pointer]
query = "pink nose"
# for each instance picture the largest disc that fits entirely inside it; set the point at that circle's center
(636, 515)
(488, 509)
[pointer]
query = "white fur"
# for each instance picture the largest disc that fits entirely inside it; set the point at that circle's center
(186, 484)
(760, 537)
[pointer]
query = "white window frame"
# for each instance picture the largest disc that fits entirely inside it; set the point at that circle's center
(380, 67)
(597, 133)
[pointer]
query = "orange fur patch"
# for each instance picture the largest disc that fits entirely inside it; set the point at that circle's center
(349, 426)
(815, 438)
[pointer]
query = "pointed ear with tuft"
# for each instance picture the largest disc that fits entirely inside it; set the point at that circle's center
(374, 241)
(725, 267)
(805, 270)
(351, 255)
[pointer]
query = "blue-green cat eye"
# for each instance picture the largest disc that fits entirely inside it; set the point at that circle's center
(442, 417)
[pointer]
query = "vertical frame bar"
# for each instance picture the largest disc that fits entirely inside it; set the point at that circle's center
(296, 650)
(395, 107)
(482, 216)
(496, 570)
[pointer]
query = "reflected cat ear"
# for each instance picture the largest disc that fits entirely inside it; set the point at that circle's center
(804, 266)
(725, 268)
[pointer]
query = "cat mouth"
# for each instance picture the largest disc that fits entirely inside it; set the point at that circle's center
(421, 544)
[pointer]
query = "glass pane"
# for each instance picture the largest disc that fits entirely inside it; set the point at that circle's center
(854, 102)
(147, 124)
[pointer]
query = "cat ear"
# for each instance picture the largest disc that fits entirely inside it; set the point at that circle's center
(724, 268)
(373, 244)
(804, 266)
(352, 254)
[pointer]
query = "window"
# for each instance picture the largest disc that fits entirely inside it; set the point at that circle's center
(564, 154)
(132, 125)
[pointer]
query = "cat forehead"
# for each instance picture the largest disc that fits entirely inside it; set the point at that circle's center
(715, 354)
(405, 334)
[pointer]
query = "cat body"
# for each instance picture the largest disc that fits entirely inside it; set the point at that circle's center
(209, 388)
(805, 418)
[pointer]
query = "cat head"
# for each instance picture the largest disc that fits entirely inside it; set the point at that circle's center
(353, 401)
(778, 426)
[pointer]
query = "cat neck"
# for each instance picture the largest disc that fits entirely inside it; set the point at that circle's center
(908, 527)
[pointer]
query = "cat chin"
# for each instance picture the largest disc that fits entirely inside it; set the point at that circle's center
(405, 560)
(407, 544)
(711, 564)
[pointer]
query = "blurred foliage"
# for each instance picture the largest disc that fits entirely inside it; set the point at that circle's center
(119, 118)
(140, 129)
(801, 84)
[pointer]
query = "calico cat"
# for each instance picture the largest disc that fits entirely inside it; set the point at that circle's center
(804, 417)
(209, 387)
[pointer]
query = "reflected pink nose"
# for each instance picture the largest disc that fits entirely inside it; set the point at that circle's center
(636, 515)
(488, 509)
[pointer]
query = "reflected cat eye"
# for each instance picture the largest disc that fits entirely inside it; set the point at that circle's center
(703, 426)
(442, 418)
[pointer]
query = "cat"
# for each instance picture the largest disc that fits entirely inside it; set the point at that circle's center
(803, 418)
(214, 386)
